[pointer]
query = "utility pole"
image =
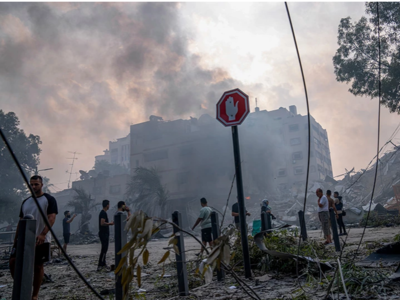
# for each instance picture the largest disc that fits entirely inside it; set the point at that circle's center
(72, 165)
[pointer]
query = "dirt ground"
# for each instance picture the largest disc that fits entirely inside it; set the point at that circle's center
(67, 285)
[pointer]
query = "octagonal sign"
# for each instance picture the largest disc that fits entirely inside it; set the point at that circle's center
(233, 108)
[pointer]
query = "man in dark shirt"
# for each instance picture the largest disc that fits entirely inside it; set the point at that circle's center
(67, 228)
(104, 234)
(235, 213)
(43, 236)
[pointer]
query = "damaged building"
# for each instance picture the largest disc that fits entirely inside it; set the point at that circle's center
(195, 156)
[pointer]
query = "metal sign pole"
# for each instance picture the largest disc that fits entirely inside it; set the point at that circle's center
(303, 229)
(183, 282)
(24, 261)
(334, 229)
(242, 209)
(120, 241)
(216, 232)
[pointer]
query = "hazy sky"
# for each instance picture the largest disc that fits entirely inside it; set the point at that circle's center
(78, 75)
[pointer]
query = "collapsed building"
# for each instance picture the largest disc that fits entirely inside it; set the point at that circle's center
(194, 158)
(356, 190)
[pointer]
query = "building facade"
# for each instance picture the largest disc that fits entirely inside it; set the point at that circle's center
(195, 157)
(118, 152)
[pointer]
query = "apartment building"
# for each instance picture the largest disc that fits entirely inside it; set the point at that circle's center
(118, 152)
(195, 156)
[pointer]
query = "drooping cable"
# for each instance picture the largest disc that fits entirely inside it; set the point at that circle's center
(46, 221)
(379, 130)
(227, 200)
(309, 139)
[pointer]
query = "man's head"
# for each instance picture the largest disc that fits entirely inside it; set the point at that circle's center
(329, 193)
(203, 202)
(265, 202)
(121, 205)
(36, 183)
(319, 193)
(336, 194)
(67, 213)
(106, 204)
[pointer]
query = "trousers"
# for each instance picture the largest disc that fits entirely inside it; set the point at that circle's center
(104, 239)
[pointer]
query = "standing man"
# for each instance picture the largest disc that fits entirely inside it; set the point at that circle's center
(43, 236)
(323, 214)
(206, 230)
(104, 234)
(331, 202)
(235, 213)
(67, 228)
(339, 208)
(122, 207)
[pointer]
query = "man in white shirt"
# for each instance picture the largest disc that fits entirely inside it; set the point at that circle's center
(323, 214)
(43, 235)
(206, 227)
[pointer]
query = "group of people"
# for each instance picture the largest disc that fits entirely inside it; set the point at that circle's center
(204, 220)
(104, 230)
(48, 205)
(325, 204)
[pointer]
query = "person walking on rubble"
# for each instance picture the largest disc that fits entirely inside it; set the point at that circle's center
(104, 234)
(323, 214)
(206, 228)
(67, 228)
(265, 207)
(339, 208)
(235, 214)
(48, 205)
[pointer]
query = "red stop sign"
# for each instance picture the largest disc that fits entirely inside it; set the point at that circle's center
(233, 107)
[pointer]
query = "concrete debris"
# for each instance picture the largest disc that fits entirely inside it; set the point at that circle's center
(386, 256)
(355, 189)
(84, 239)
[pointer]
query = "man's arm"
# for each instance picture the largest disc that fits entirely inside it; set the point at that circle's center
(128, 211)
(104, 223)
(236, 214)
(197, 223)
(70, 220)
(42, 236)
(319, 203)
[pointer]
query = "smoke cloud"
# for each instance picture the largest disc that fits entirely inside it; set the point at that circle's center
(79, 74)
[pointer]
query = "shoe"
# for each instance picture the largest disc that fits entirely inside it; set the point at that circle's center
(198, 254)
(340, 234)
(99, 268)
(345, 233)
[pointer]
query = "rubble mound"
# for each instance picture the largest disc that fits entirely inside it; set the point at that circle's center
(84, 238)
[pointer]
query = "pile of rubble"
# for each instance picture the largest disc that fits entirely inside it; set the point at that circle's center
(356, 190)
(86, 238)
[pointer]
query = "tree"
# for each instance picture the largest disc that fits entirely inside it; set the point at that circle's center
(26, 148)
(146, 192)
(356, 60)
(113, 169)
(83, 203)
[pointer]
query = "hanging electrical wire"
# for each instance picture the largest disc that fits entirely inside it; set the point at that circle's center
(379, 129)
(309, 141)
(45, 216)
